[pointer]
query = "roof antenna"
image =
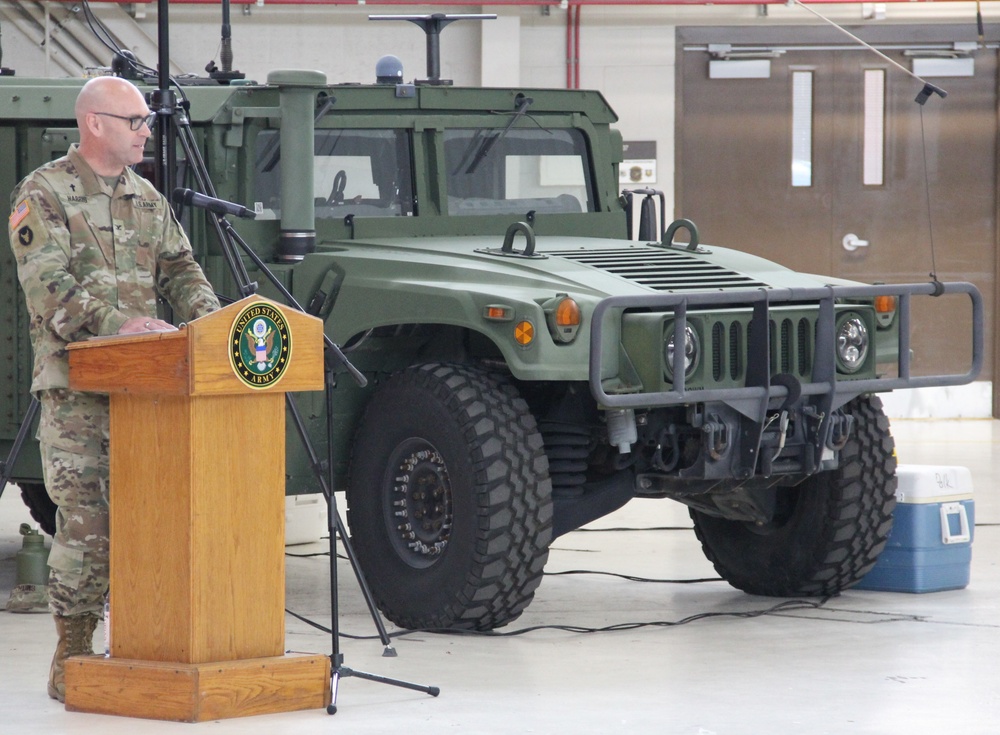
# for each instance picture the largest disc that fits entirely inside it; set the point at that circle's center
(921, 98)
(432, 25)
(226, 73)
(924, 93)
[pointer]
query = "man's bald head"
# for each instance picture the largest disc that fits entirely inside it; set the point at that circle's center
(107, 94)
(106, 108)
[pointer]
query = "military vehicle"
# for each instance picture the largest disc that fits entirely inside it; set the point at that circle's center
(538, 349)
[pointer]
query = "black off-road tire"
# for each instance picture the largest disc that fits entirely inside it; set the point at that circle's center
(449, 499)
(827, 533)
(40, 505)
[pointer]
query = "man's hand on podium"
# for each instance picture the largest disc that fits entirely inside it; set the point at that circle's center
(139, 324)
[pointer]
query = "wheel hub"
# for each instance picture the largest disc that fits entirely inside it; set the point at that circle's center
(421, 512)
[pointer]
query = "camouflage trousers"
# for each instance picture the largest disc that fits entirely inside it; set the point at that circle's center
(73, 432)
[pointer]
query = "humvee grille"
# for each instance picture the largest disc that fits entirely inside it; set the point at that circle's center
(661, 270)
(791, 348)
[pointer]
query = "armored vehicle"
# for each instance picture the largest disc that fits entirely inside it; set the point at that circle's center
(538, 349)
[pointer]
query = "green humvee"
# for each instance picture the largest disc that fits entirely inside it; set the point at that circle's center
(538, 349)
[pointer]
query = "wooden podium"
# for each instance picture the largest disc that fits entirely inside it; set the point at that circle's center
(197, 517)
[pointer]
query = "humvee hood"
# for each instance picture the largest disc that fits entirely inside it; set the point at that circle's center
(592, 265)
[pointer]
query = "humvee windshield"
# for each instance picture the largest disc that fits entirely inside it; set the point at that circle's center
(490, 172)
(366, 173)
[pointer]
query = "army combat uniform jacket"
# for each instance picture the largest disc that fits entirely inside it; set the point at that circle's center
(90, 256)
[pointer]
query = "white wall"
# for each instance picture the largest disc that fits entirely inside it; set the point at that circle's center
(626, 52)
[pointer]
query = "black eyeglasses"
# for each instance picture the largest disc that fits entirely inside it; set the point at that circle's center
(135, 122)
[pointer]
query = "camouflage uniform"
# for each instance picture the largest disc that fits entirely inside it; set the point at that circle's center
(90, 256)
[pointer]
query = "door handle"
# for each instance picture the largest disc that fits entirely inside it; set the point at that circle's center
(851, 242)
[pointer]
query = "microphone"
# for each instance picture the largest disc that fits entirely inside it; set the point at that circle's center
(218, 206)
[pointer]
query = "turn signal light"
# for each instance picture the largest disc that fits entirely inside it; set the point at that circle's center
(563, 316)
(885, 310)
(885, 304)
(498, 313)
(568, 313)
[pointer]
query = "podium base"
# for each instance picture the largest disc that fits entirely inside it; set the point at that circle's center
(181, 692)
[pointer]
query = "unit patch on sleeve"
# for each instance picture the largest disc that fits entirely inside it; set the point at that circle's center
(25, 236)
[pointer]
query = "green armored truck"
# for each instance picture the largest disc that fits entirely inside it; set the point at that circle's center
(537, 347)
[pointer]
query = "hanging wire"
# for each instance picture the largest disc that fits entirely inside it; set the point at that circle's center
(928, 88)
(922, 97)
(102, 34)
(927, 199)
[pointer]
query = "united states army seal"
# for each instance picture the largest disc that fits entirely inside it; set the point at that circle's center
(260, 345)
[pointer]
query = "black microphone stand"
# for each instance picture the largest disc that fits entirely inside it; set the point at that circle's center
(333, 356)
(229, 238)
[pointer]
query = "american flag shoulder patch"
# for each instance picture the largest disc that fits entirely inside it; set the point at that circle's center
(19, 213)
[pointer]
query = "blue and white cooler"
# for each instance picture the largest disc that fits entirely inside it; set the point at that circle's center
(930, 546)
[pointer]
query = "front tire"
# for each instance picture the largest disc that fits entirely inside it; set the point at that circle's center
(449, 499)
(827, 532)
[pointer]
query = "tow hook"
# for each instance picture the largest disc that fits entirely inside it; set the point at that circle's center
(716, 439)
(840, 431)
(782, 431)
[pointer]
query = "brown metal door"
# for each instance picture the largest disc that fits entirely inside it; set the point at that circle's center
(734, 174)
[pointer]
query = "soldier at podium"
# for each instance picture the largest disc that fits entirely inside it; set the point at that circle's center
(95, 244)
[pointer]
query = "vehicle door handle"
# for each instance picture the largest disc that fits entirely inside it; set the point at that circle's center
(851, 242)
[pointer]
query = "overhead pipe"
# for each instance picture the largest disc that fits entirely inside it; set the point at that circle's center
(569, 49)
(576, 46)
(573, 47)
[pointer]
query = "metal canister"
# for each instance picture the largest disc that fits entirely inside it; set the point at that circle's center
(32, 559)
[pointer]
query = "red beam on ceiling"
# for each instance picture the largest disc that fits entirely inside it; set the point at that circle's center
(512, 3)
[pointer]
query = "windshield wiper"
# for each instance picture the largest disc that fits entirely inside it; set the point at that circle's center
(522, 103)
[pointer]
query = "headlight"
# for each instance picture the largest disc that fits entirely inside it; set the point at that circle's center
(692, 351)
(852, 343)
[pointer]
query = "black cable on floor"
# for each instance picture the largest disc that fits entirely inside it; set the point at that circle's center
(622, 528)
(630, 578)
(783, 606)
(310, 556)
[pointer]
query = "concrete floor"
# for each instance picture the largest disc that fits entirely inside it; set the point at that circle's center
(865, 662)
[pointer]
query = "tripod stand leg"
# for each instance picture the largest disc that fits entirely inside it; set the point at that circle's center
(331, 709)
(433, 691)
(7, 468)
(336, 527)
(388, 651)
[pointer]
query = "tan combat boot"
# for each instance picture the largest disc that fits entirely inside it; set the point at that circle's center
(76, 638)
